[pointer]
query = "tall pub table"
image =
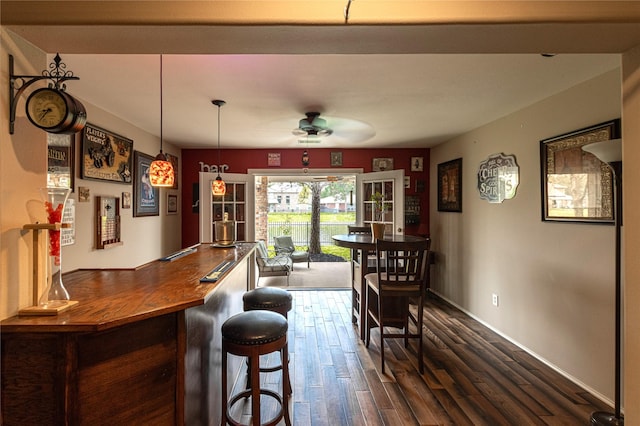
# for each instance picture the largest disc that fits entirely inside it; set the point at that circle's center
(363, 243)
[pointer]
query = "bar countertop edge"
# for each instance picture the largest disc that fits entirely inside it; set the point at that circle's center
(111, 298)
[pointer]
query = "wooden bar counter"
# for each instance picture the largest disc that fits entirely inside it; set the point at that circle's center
(141, 347)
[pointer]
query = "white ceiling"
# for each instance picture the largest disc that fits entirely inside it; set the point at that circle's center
(377, 86)
(368, 100)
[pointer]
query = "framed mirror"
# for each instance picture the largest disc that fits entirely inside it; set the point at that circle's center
(60, 160)
(576, 186)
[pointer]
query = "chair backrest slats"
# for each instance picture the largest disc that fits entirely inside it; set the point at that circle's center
(402, 265)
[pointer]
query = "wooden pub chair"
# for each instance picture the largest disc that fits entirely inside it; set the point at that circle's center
(400, 278)
(357, 274)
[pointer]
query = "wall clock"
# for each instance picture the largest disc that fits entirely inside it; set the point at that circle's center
(55, 111)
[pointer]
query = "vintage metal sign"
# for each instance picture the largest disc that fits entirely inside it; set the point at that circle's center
(498, 178)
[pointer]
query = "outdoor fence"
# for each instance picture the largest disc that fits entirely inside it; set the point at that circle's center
(300, 232)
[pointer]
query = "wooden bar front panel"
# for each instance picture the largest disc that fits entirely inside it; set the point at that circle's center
(128, 375)
(141, 347)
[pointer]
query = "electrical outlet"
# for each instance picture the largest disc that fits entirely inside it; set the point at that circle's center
(494, 299)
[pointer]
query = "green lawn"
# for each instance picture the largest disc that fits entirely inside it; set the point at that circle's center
(306, 217)
(324, 217)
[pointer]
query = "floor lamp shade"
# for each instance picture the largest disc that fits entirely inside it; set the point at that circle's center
(607, 151)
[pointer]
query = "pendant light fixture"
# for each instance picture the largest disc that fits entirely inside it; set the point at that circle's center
(218, 187)
(161, 171)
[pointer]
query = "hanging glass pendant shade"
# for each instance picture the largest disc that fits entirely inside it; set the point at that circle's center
(161, 171)
(218, 187)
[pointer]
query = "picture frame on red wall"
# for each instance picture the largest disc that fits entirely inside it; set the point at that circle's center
(273, 159)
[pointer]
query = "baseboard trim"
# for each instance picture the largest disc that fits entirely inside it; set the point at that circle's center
(554, 367)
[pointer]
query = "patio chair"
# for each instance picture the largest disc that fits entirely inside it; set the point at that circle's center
(284, 246)
(276, 266)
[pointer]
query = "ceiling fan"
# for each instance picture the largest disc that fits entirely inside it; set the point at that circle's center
(312, 127)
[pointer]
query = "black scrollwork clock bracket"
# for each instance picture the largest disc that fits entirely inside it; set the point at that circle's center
(57, 73)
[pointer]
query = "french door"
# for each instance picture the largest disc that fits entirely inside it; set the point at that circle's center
(390, 186)
(237, 203)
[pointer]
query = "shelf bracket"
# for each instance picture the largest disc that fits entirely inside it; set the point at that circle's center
(57, 73)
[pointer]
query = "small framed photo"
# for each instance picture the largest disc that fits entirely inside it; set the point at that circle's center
(84, 194)
(336, 159)
(382, 164)
(450, 186)
(146, 197)
(172, 204)
(273, 159)
(126, 200)
(407, 182)
(416, 164)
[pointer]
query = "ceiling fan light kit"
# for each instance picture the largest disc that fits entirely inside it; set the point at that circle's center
(161, 173)
(312, 126)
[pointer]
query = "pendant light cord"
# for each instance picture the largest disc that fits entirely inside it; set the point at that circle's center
(219, 139)
(219, 103)
(161, 106)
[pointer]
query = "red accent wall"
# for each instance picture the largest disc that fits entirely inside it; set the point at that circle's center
(240, 160)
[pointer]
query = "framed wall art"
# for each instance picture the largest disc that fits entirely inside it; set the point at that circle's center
(61, 160)
(450, 186)
(172, 204)
(126, 200)
(273, 159)
(105, 155)
(84, 194)
(575, 185)
(382, 164)
(336, 159)
(146, 198)
(417, 164)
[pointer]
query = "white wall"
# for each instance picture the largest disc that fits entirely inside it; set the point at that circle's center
(555, 281)
(23, 165)
(145, 238)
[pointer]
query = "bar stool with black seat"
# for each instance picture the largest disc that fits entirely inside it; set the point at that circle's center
(251, 334)
(268, 299)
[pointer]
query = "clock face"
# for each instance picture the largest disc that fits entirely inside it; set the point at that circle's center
(47, 108)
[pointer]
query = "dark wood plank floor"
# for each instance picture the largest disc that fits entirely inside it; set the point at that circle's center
(472, 375)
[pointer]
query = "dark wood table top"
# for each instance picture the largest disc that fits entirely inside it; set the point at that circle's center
(366, 242)
(110, 298)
